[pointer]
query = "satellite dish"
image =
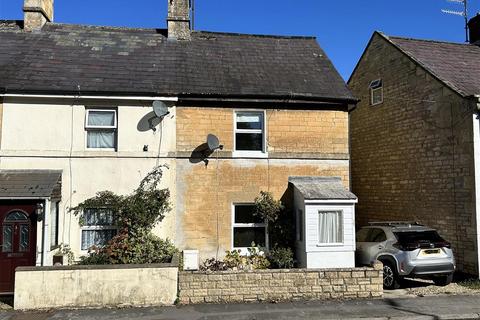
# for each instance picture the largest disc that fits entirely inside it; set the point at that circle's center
(160, 108)
(213, 143)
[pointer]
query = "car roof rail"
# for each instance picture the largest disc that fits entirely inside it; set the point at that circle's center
(394, 223)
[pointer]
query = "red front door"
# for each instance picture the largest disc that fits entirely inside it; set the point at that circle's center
(17, 240)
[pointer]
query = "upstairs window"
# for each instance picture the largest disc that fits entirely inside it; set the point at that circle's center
(101, 127)
(376, 92)
(249, 131)
(98, 227)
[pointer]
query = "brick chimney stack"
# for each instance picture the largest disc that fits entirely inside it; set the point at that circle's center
(37, 13)
(178, 20)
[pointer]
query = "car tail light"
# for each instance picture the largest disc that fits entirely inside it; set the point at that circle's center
(443, 244)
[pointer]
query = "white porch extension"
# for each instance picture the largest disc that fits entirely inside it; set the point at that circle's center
(325, 222)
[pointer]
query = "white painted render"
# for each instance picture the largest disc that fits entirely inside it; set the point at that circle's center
(53, 136)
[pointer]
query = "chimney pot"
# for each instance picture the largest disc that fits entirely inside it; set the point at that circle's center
(178, 21)
(37, 13)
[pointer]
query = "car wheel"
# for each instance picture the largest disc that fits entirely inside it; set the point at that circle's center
(443, 281)
(390, 277)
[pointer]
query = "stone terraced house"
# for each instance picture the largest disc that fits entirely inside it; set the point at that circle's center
(76, 118)
(415, 139)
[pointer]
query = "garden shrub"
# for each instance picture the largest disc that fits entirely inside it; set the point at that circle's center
(135, 215)
(234, 260)
(281, 258)
(140, 247)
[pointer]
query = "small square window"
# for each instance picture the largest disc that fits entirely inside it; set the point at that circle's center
(376, 92)
(249, 131)
(330, 227)
(247, 227)
(99, 227)
(101, 127)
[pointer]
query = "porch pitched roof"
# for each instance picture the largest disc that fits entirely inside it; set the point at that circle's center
(322, 188)
(30, 183)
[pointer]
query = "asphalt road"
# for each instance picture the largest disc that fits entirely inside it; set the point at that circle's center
(437, 307)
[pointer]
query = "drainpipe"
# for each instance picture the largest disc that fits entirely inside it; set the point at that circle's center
(46, 231)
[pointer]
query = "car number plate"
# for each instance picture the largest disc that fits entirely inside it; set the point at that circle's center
(430, 251)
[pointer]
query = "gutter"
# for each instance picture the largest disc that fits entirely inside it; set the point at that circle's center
(46, 96)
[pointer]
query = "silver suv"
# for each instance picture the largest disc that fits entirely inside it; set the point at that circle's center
(407, 249)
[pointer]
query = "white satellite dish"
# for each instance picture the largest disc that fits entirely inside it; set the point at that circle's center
(160, 108)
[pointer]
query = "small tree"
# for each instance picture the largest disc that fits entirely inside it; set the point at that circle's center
(268, 209)
(136, 215)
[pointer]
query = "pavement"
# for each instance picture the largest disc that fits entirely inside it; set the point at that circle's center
(433, 307)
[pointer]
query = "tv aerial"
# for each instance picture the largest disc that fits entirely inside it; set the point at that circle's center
(160, 109)
(462, 13)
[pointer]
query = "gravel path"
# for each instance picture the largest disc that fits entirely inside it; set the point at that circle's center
(422, 288)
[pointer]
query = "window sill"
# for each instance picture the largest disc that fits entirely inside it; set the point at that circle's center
(249, 154)
(339, 244)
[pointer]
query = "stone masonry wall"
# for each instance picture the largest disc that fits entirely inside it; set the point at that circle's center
(290, 133)
(300, 143)
(280, 285)
(412, 155)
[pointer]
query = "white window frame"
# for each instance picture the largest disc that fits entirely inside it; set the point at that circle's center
(250, 153)
(342, 228)
(244, 250)
(113, 128)
(373, 90)
(94, 228)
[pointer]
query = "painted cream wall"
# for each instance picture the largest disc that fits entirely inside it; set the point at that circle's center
(31, 141)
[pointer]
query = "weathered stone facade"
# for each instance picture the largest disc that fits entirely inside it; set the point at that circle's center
(412, 155)
(279, 285)
(299, 142)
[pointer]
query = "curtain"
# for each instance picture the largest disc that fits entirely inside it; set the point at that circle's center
(101, 118)
(101, 139)
(330, 227)
(96, 237)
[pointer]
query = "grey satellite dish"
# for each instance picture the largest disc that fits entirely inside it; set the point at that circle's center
(213, 143)
(160, 108)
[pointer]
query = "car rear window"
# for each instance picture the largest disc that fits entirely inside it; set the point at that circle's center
(420, 236)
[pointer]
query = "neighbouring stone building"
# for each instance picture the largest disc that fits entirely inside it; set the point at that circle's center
(76, 118)
(415, 137)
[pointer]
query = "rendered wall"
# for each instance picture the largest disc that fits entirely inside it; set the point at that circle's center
(46, 134)
(95, 286)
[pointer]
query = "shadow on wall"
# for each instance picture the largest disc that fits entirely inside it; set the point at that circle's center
(200, 154)
(149, 121)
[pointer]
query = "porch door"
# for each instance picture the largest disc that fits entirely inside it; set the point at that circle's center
(17, 241)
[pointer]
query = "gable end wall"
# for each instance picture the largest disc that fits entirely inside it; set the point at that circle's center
(412, 155)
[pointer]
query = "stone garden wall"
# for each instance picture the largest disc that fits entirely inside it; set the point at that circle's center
(279, 285)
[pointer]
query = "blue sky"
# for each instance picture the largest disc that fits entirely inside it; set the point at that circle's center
(343, 27)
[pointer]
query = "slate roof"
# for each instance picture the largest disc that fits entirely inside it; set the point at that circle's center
(322, 188)
(65, 59)
(455, 64)
(29, 183)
